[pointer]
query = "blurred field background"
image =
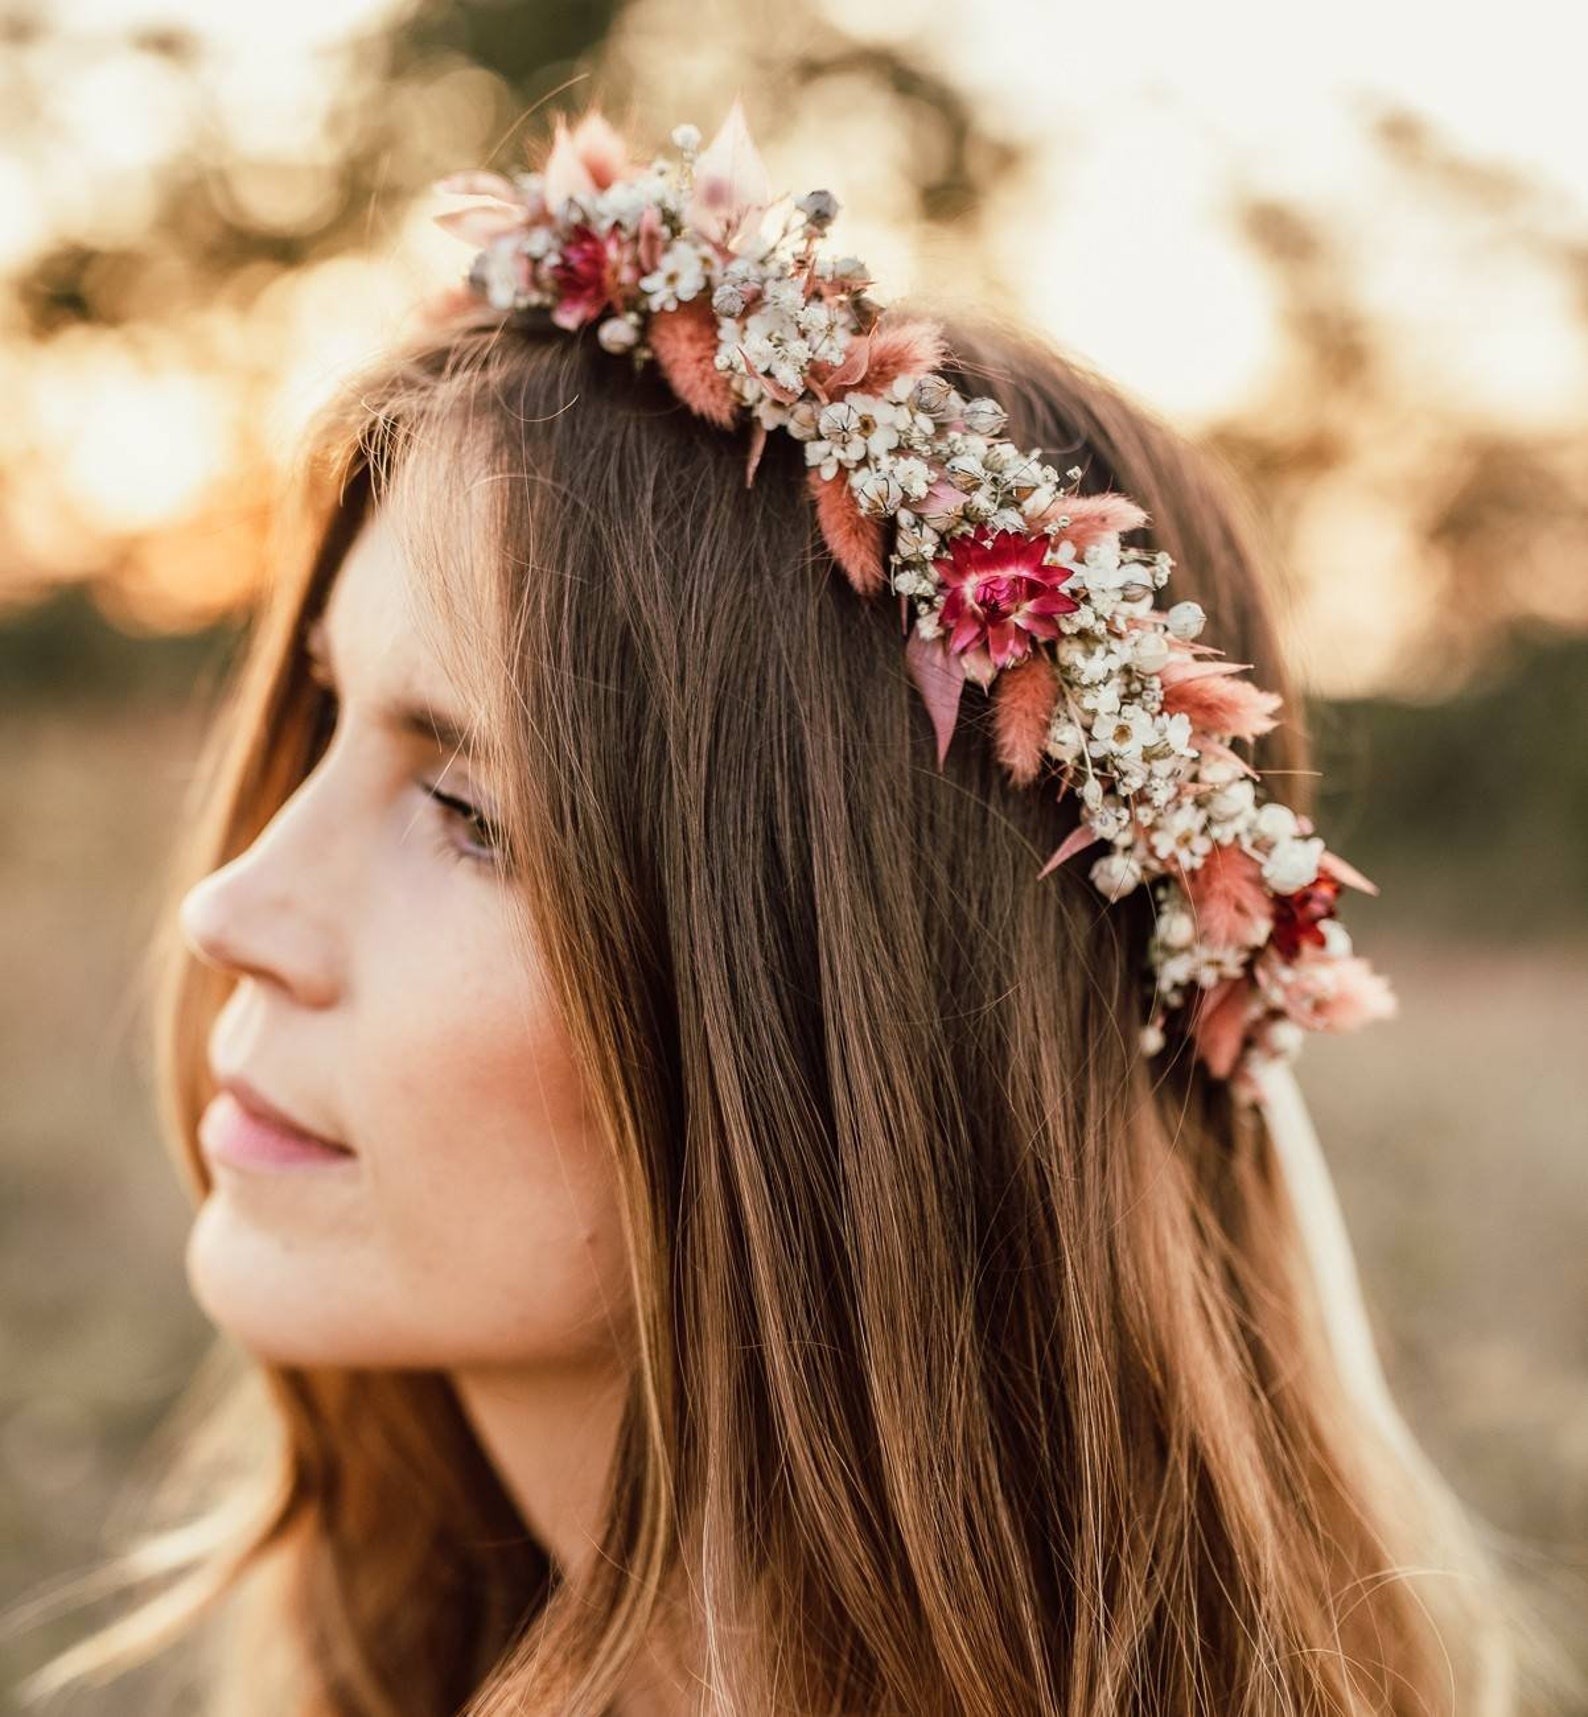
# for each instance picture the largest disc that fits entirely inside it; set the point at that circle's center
(1351, 254)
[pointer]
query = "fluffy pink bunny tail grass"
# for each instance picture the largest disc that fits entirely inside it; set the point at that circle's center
(1023, 700)
(1215, 700)
(855, 540)
(903, 347)
(684, 342)
(1219, 1026)
(1228, 897)
(1094, 516)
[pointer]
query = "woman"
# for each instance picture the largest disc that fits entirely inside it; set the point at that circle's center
(722, 1224)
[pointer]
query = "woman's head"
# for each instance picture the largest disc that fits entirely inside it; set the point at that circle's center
(970, 1365)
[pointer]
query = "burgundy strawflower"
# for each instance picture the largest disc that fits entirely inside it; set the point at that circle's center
(588, 276)
(1299, 917)
(1001, 595)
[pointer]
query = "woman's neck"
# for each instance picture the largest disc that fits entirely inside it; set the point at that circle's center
(552, 1437)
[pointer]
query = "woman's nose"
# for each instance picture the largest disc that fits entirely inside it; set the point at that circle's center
(262, 915)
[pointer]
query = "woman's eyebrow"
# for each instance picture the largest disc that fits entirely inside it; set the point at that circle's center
(411, 716)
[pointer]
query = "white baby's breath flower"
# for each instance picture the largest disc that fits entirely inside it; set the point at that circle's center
(913, 476)
(1336, 938)
(1177, 928)
(1122, 733)
(1116, 874)
(1182, 837)
(1292, 864)
(1275, 822)
(1232, 802)
(677, 278)
(1065, 741)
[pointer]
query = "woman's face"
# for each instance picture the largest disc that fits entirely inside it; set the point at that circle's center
(469, 1218)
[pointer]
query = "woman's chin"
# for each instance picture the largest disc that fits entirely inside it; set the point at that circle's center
(288, 1300)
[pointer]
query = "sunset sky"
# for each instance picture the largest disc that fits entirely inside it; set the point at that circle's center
(1119, 237)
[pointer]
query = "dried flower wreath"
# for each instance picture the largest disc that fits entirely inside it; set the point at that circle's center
(1017, 580)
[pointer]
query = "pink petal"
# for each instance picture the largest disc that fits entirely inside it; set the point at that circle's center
(853, 367)
(854, 539)
(1219, 1025)
(685, 344)
(1359, 995)
(650, 239)
(565, 174)
(939, 678)
(731, 184)
(1022, 706)
(1076, 841)
(758, 434)
(475, 183)
(479, 226)
(601, 149)
(1227, 895)
(1335, 866)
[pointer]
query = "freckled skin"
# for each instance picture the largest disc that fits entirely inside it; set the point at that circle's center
(380, 1000)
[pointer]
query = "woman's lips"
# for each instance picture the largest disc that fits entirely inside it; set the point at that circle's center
(232, 1133)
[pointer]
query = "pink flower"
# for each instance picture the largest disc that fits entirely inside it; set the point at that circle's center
(1324, 992)
(588, 278)
(1000, 597)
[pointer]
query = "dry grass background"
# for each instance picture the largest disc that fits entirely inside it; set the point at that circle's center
(1455, 1134)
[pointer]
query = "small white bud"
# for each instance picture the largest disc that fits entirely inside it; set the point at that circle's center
(984, 416)
(617, 334)
(1150, 651)
(1186, 620)
(686, 138)
(1116, 874)
(1276, 822)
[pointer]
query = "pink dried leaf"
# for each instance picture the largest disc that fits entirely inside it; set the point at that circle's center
(758, 434)
(1218, 1025)
(475, 182)
(851, 370)
(650, 238)
(731, 185)
(684, 342)
(854, 539)
(1333, 865)
(1023, 700)
(565, 174)
(601, 149)
(940, 678)
(479, 226)
(1076, 841)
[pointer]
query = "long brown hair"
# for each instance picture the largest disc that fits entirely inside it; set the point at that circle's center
(978, 1370)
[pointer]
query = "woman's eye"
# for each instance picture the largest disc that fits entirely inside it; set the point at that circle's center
(483, 836)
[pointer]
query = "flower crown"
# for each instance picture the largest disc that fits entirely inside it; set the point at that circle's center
(1018, 581)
